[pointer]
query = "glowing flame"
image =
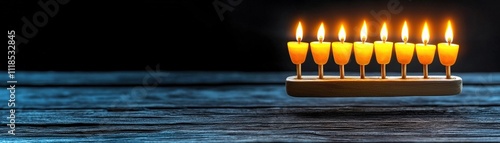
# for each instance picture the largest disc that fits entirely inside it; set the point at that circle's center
(321, 32)
(449, 33)
(404, 33)
(383, 33)
(425, 34)
(342, 34)
(364, 32)
(299, 33)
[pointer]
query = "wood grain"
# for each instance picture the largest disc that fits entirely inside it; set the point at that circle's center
(351, 86)
(240, 107)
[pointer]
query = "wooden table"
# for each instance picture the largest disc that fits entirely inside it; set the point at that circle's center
(238, 106)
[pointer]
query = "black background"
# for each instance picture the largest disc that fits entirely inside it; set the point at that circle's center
(189, 35)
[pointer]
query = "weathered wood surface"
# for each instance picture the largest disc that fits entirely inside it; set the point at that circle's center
(239, 107)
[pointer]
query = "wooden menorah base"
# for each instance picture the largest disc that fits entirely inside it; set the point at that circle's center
(372, 86)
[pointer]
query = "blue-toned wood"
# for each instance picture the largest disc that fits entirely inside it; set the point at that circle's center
(235, 107)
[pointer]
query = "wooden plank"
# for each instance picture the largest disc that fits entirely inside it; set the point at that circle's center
(267, 124)
(137, 78)
(226, 96)
(372, 86)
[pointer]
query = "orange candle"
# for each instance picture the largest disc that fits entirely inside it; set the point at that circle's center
(404, 50)
(383, 50)
(425, 51)
(298, 50)
(320, 50)
(363, 50)
(447, 51)
(341, 51)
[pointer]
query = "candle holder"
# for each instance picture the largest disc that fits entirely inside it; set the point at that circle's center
(377, 86)
(383, 51)
(425, 51)
(298, 51)
(447, 51)
(320, 51)
(341, 52)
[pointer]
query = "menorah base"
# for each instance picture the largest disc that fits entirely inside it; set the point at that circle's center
(372, 86)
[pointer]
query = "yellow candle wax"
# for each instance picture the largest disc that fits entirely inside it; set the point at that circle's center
(320, 52)
(404, 52)
(383, 49)
(297, 49)
(341, 50)
(363, 50)
(447, 51)
(425, 51)
(320, 49)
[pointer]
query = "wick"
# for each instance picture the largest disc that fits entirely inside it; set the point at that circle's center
(363, 40)
(425, 42)
(405, 40)
(298, 40)
(342, 40)
(449, 43)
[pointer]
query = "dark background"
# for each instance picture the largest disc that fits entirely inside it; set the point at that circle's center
(189, 35)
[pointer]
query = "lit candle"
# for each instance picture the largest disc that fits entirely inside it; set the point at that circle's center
(425, 51)
(383, 50)
(363, 51)
(320, 50)
(298, 50)
(447, 51)
(341, 51)
(404, 50)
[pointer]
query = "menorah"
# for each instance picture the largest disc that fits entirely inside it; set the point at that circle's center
(383, 85)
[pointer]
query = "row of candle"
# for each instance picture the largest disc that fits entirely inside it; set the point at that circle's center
(363, 50)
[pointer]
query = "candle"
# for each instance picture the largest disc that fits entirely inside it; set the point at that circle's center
(404, 50)
(363, 51)
(383, 50)
(298, 50)
(320, 50)
(341, 51)
(447, 51)
(425, 51)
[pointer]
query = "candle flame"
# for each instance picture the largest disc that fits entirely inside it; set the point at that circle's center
(299, 33)
(364, 32)
(383, 33)
(321, 32)
(404, 33)
(342, 34)
(425, 34)
(449, 33)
